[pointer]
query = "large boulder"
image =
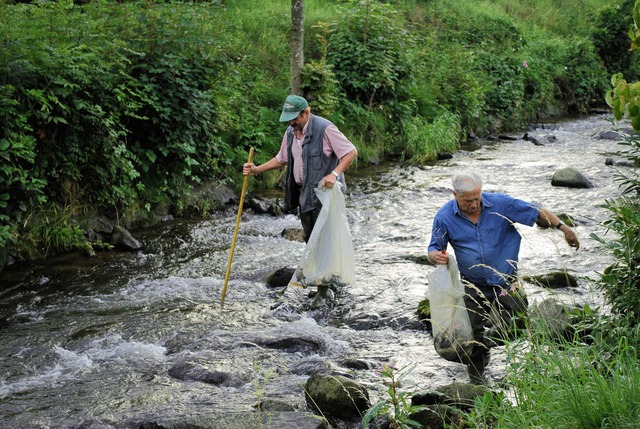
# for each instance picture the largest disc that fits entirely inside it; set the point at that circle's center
(553, 318)
(445, 405)
(569, 177)
(336, 396)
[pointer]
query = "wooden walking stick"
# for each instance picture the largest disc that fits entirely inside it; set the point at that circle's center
(235, 233)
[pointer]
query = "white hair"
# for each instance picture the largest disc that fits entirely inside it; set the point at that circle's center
(466, 182)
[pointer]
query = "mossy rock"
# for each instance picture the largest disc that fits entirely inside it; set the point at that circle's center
(424, 312)
(553, 280)
(336, 396)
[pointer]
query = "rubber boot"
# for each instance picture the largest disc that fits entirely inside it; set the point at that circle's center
(323, 296)
(475, 371)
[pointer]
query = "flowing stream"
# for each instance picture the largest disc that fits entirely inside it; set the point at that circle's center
(92, 343)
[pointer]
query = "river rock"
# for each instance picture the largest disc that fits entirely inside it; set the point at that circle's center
(439, 416)
(271, 405)
(532, 139)
(98, 227)
(280, 277)
(293, 234)
(459, 395)
(424, 313)
(617, 135)
(222, 194)
(336, 396)
(189, 371)
(571, 178)
(311, 366)
(445, 405)
(123, 239)
(553, 280)
(258, 205)
(553, 318)
(101, 224)
(619, 163)
(358, 364)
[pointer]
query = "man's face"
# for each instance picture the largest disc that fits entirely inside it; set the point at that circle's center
(300, 121)
(469, 202)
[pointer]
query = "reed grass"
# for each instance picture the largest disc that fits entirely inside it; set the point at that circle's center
(566, 384)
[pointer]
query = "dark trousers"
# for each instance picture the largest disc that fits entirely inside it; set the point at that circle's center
(308, 220)
(503, 314)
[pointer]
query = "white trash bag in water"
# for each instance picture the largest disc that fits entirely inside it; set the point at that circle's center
(328, 257)
(451, 328)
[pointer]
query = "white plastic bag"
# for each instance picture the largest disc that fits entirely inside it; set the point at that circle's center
(451, 328)
(328, 257)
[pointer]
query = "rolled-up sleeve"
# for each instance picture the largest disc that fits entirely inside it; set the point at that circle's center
(336, 142)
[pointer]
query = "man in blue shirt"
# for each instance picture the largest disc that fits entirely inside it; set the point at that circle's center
(480, 228)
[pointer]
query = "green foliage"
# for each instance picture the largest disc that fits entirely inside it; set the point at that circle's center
(49, 230)
(319, 83)
(621, 280)
(569, 385)
(585, 79)
(113, 101)
(611, 38)
(426, 140)
(396, 406)
(624, 99)
(369, 48)
(449, 81)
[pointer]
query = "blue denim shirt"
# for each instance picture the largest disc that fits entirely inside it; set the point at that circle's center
(487, 252)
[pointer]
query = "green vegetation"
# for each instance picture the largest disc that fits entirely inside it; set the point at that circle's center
(396, 406)
(122, 108)
(565, 385)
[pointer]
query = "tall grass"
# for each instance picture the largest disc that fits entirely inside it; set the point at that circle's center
(566, 384)
(425, 139)
(563, 17)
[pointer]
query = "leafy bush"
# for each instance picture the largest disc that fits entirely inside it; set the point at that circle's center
(621, 281)
(369, 48)
(610, 37)
(449, 81)
(585, 79)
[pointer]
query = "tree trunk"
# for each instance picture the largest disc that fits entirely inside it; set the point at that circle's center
(297, 45)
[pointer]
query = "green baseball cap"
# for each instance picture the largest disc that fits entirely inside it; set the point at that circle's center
(293, 105)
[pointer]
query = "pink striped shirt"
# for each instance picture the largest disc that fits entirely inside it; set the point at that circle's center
(333, 141)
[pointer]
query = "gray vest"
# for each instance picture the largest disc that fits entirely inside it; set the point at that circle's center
(316, 165)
